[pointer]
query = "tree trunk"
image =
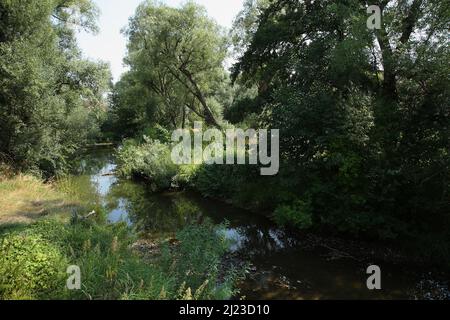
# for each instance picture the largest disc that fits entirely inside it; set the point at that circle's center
(209, 117)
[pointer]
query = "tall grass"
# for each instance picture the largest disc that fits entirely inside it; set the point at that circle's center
(39, 240)
(25, 199)
(33, 263)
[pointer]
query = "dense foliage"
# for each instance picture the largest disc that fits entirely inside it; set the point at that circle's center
(363, 113)
(29, 266)
(176, 72)
(148, 160)
(363, 116)
(51, 99)
(34, 261)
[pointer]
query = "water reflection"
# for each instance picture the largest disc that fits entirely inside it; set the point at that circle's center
(281, 266)
(150, 214)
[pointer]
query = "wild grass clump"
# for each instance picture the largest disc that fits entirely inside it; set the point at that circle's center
(26, 198)
(197, 262)
(34, 261)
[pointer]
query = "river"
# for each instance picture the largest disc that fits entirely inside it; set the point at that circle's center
(282, 266)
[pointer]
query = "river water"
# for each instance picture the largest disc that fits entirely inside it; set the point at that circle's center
(281, 265)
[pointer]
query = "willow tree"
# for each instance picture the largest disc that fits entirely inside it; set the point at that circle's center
(51, 99)
(178, 54)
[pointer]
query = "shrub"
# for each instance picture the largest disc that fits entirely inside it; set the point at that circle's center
(186, 175)
(199, 254)
(298, 215)
(30, 267)
(219, 181)
(151, 160)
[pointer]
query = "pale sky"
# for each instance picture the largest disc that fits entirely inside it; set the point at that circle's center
(110, 45)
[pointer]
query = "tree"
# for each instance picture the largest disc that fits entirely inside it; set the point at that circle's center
(245, 25)
(363, 114)
(51, 100)
(178, 54)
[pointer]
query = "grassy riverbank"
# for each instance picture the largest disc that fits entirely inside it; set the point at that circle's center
(40, 238)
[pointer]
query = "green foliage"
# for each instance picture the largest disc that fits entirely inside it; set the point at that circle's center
(201, 248)
(363, 114)
(186, 175)
(197, 261)
(34, 261)
(245, 24)
(110, 270)
(151, 160)
(298, 215)
(364, 122)
(30, 268)
(132, 109)
(51, 100)
(217, 181)
(176, 76)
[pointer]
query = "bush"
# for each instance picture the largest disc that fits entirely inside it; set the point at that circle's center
(298, 215)
(151, 160)
(110, 270)
(186, 175)
(30, 268)
(220, 181)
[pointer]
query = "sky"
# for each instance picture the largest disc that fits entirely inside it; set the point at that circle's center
(109, 44)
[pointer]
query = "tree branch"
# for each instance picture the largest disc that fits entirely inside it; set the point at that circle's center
(410, 21)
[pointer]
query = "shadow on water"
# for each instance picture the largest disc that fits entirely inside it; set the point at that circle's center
(281, 266)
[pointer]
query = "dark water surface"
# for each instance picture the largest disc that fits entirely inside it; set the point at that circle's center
(281, 267)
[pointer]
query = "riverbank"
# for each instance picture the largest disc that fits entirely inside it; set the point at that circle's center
(25, 199)
(42, 233)
(270, 273)
(151, 164)
(281, 264)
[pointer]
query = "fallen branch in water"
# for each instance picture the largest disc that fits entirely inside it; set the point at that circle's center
(339, 253)
(95, 145)
(109, 174)
(76, 217)
(90, 214)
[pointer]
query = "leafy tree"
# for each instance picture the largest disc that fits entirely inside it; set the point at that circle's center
(245, 25)
(51, 100)
(363, 114)
(178, 56)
